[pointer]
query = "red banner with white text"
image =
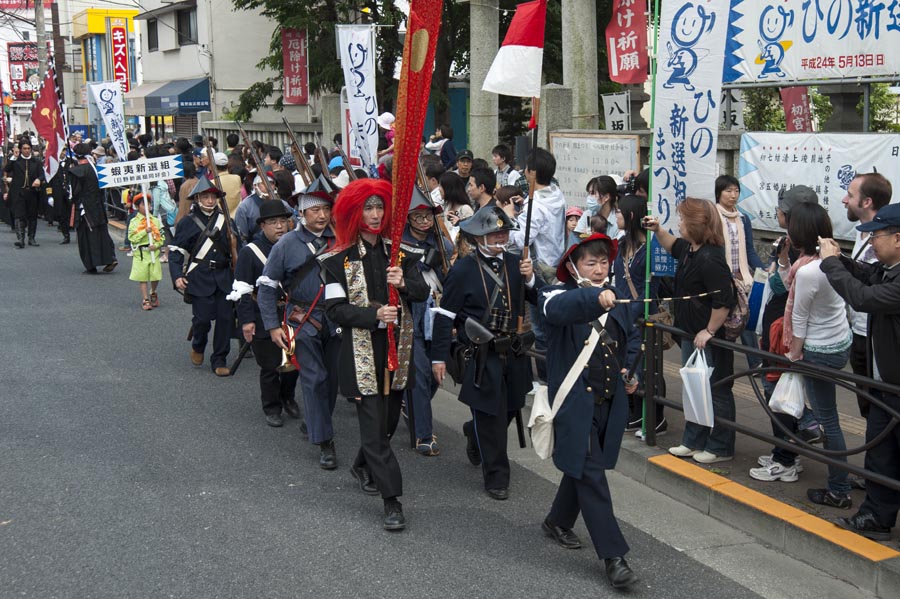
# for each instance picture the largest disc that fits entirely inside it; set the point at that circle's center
(626, 42)
(296, 69)
(796, 109)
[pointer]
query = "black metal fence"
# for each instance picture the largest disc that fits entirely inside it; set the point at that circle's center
(653, 375)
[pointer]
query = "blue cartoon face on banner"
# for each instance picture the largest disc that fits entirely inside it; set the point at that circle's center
(773, 23)
(689, 25)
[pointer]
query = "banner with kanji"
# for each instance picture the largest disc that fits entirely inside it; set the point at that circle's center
(686, 98)
(295, 88)
(357, 45)
(796, 109)
(24, 78)
(626, 41)
(109, 98)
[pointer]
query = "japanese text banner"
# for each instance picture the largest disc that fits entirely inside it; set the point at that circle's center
(796, 40)
(626, 41)
(686, 107)
(358, 62)
(826, 162)
(108, 96)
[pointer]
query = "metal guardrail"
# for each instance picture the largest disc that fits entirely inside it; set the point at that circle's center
(653, 373)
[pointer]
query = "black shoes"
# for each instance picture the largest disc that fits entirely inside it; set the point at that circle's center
(303, 430)
(864, 523)
(393, 516)
(65, 240)
(472, 451)
(362, 476)
(31, 241)
(826, 497)
(292, 409)
(327, 457)
(564, 537)
(811, 435)
(498, 494)
(274, 420)
(619, 574)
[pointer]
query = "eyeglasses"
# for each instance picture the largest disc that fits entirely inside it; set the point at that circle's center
(283, 222)
(871, 237)
(421, 218)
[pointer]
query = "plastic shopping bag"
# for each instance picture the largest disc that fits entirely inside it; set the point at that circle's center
(789, 396)
(696, 390)
(541, 423)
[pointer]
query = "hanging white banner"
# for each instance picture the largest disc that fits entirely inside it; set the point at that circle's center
(691, 54)
(826, 162)
(796, 40)
(108, 96)
(617, 111)
(145, 170)
(357, 46)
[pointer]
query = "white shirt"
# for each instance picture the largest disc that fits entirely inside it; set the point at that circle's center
(819, 315)
(548, 226)
(508, 176)
(862, 251)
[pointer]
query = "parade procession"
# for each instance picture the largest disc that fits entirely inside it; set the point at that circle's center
(465, 298)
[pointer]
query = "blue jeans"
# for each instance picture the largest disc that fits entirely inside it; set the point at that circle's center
(749, 339)
(717, 440)
(822, 398)
(423, 388)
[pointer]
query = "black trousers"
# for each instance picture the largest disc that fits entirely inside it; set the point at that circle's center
(207, 309)
(883, 458)
(590, 497)
(858, 364)
(378, 416)
(275, 389)
(491, 435)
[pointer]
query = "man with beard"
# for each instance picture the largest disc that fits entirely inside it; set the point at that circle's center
(200, 266)
(866, 195)
(25, 176)
(293, 267)
(276, 388)
(357, 276)
(95, 246)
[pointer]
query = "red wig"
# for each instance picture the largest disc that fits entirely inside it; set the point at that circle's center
(348, 208)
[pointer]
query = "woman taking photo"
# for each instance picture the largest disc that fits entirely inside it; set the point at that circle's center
(601, 200)
(702, 268)
(456, 201)
(630, 275)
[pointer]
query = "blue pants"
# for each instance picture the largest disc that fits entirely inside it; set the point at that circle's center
(318, 358)
(749, 339)
(423, 390)
(717, 440)
(207, 309)
(822, 398)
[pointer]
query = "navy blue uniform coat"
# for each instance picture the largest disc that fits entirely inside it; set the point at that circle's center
(569, 309)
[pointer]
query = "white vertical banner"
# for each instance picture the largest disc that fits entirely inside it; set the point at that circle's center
(690, 60)
(617, 111)
(357, 48)
(108, 96)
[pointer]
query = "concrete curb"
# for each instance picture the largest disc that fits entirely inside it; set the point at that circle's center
(868, 565)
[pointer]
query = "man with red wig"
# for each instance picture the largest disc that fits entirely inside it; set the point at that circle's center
(357, 275)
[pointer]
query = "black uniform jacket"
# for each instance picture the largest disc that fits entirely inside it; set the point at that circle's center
(214, 272)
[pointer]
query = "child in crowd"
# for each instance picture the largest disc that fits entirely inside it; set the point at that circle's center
(146, 237)
(573, 215)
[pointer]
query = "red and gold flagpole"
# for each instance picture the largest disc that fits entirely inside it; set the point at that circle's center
(422, 31)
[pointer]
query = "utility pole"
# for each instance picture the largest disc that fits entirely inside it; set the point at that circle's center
(59, 48)
(41, 35)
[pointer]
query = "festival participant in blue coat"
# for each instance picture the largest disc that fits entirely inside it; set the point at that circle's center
(292, 266)
(276, 388)
(589, 426)
(200, 266)
(486, 288)
(420, 233)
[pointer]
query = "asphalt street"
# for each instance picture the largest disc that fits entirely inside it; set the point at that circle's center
(126, 472)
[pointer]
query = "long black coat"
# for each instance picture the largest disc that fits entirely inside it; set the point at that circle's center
(202, 280)
(23, 173)
(87, 195)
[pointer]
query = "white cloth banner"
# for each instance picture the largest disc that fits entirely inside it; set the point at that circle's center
(617, 111)
(826, 162)
(108, 96)
(796, 40)
(691, 54)
(357, 45)
(142, 171)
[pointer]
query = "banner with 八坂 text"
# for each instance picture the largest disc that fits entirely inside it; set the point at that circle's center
(691, 54)
(826, 162)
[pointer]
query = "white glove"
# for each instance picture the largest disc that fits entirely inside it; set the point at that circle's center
(50, 201)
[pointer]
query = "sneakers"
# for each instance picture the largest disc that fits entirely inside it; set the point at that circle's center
(427, 446)
(661, 429)
(864, 523)
(682, 451)
(634, 425)
(767, 460)
(775, 471)
(705, 457)
(829, 498)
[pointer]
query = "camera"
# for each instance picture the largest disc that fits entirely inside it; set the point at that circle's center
(626, 187)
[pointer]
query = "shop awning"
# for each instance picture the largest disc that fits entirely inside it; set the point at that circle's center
(177, 98)
(135, 98)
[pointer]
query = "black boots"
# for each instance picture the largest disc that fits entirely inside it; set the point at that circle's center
(65, 239)
(32, 230)
(20, 234)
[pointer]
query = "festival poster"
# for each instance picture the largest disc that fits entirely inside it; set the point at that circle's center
(24, 76)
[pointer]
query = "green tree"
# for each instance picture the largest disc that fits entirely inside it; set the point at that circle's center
(763, 110)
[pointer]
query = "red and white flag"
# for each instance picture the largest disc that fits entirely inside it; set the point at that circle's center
(516, 70)
(49, 117)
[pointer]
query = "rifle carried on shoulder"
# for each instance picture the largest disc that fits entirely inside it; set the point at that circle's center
(223, 205)
(256, 164)
(303, 166)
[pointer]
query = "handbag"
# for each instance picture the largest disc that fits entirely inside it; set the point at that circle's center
(542, 414)
(696, 389)
(737, 318)
(789, 395)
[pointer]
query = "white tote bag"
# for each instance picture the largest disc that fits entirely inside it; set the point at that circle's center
(789, 395)
(696, 390)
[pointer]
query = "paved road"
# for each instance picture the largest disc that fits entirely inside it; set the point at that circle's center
(125, 472)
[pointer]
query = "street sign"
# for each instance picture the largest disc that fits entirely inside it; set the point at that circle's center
(123, 174)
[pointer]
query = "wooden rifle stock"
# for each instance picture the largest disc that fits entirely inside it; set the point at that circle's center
(223, 205)
(347, 166)
(256, 164)
(437, 225)
(303, 167)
